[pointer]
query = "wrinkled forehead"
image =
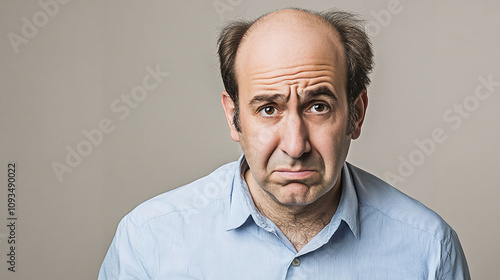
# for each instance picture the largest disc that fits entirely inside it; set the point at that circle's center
(287, 39)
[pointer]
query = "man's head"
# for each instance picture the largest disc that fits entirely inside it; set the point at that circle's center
(357, 50)
(295, 96)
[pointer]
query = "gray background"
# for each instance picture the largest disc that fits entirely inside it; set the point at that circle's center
(65, 76)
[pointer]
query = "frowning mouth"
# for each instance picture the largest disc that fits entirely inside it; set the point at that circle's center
(294, 174)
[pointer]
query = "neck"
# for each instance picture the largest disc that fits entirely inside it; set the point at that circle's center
(299, 223)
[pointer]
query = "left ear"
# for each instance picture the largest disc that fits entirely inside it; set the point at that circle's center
(360, 105)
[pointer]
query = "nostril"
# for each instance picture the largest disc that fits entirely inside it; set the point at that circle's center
(295, 145)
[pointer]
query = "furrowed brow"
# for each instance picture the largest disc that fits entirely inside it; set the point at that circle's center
(266, 98)
(322, 91)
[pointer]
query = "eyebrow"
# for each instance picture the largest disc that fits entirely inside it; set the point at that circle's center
(269, 98)
(322, 91)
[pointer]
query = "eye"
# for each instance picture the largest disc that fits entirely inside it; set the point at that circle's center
(319, 108)
(268, 111)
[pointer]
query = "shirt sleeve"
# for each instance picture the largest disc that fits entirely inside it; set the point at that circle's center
(124, 259)
(453, 265)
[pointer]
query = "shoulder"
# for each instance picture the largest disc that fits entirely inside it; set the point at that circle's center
(206, 192)
(382, 199)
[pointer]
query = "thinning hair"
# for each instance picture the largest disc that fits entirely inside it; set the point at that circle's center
(347, 26)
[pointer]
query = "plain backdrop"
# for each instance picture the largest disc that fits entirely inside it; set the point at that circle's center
(68, 67)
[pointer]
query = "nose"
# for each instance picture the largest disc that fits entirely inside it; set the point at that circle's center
(294, 137)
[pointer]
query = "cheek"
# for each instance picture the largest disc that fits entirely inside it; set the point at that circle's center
(330, 142)
(264, 141)
(258, 142)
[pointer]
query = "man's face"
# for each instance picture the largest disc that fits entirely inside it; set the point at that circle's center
(293, 111)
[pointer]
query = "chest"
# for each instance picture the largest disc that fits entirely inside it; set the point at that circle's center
(258, 254)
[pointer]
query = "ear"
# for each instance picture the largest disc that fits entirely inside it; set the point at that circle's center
(360, 105)
(228, 105)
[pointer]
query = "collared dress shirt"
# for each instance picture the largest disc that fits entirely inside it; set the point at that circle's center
(211, 229)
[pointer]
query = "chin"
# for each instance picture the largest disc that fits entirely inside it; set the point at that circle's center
(296, 194)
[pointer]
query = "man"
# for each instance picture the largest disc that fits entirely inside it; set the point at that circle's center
(290, 207)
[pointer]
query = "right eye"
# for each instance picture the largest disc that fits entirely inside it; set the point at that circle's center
(268, 111)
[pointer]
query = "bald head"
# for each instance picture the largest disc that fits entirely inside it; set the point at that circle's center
(287, 17)
(278, 39)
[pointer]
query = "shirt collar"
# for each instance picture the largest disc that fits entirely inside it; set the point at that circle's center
(242, 206)
(347, 210)
(240, 200)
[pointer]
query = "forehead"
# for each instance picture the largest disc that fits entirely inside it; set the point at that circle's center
(289, 44)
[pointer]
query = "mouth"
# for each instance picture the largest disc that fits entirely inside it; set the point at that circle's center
(294, 174)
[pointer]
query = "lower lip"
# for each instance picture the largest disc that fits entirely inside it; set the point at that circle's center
(295, 175)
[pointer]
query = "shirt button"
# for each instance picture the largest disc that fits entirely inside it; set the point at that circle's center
(296, 262)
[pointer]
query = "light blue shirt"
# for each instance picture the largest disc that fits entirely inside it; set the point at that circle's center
(211, 229)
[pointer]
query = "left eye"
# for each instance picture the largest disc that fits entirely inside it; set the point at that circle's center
(319, 108)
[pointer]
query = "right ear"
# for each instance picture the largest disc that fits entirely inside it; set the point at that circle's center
(229, 108)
